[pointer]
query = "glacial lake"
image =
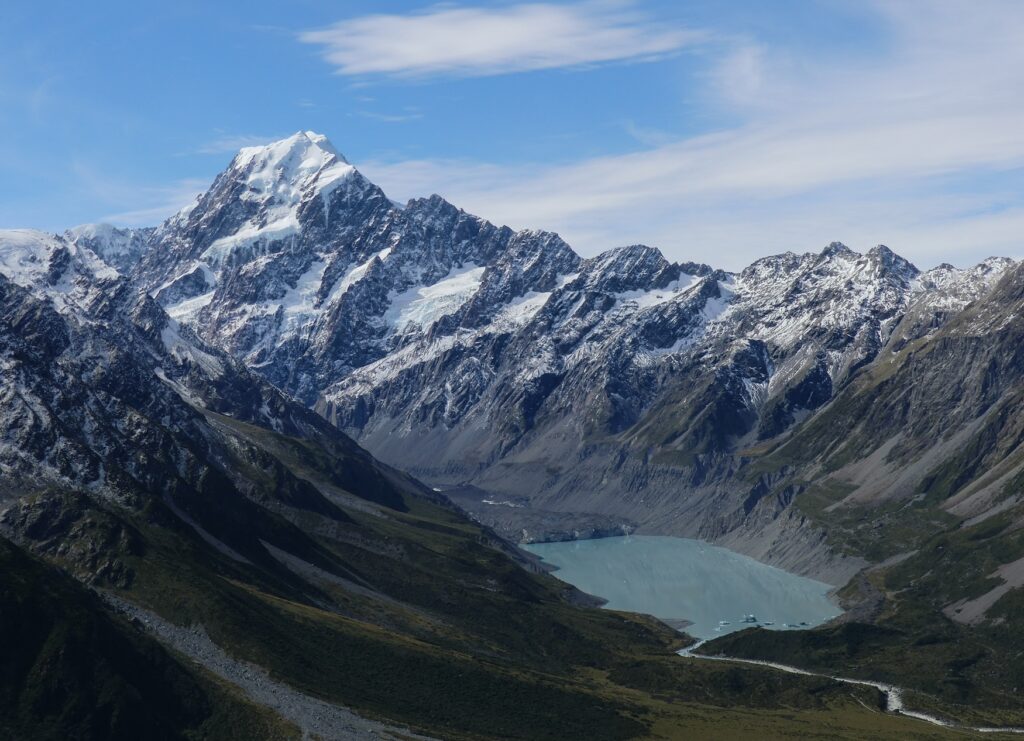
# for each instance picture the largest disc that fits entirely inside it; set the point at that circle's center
(683, 579)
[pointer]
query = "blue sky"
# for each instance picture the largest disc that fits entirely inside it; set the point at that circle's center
(715, 131)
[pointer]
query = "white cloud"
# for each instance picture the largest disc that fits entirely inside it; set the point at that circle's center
(231, 143)
(470, 41)
(826, 148)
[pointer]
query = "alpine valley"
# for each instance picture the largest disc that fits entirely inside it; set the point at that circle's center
(264, 468)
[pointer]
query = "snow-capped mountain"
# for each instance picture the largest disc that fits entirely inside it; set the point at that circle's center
(100, 387)
(621, 384)
(119, 247)
(296, 263)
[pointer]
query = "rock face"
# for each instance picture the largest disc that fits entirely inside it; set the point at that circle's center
(622, 385)
(105, 402)
(938, 421)
(302, 268)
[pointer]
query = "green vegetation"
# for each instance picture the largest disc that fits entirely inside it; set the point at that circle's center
(345, 580)
(876, 531)
(971, 672)
(69, 669)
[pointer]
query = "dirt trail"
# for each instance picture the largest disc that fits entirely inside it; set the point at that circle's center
(893, 694)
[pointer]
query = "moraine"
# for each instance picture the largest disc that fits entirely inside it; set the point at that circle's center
(681, 579)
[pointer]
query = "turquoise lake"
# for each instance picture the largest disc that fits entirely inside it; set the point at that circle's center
(682, 579)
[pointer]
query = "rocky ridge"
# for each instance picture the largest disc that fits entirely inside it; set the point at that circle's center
(622, 385)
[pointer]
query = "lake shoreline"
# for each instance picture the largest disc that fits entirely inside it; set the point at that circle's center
(712, 589)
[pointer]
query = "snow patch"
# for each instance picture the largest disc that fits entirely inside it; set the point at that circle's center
(645, 299)
(299, 303)
(183, 350)
(521, 310)
(187, 310)
(221, 249)
(422, 306)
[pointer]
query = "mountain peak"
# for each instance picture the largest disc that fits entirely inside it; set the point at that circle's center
(299, 157)
(50, 265)
(628, 268)
(889, 260)
(836, 248)
(268, 184)
(322, 141)
(303, 146)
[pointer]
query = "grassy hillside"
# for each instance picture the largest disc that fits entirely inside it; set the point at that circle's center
(69, 669)
(365, 592)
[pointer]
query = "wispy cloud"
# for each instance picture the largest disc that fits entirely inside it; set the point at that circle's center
(231, 143)
(153, 204)
(825, 149)
(476, 41)
(647, 135)
(133, 203)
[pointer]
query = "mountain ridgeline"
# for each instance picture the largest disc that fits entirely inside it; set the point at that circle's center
(189, 553)
(622, 387)
(219, 427)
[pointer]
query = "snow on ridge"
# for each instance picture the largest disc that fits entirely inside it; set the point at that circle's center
(279, 177)
(712, 315)
(186, 311)
(422, 306)
(947, 276)
(331, 177)
(299, 303)
(183, 350)
(390, 366)
(786, 296)
(647, 298)
(564, 280)
(948, 288)
(25, 256)
(221, 249)
(94, 230)
(520, 310)
(300, 299)
(356, 274)
(209, 277)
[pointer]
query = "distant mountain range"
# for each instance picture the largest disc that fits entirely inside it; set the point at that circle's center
(217, 422)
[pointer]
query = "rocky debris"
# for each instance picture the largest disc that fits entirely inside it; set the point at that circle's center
(314, 717)
(514, 519)
(973, 612)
